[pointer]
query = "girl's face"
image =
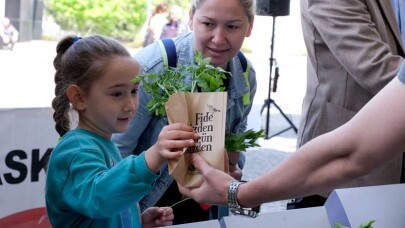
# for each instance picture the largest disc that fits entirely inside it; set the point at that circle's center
(220, 26)
(112, 99)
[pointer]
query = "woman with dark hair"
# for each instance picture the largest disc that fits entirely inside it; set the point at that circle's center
(155, 24)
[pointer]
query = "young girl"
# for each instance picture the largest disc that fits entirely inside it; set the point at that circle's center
(88, 183)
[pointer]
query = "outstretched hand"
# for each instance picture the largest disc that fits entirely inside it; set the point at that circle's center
(214, 189)
(173, 138)
(157, 216)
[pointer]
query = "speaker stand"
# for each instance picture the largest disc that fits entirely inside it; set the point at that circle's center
(269, 101)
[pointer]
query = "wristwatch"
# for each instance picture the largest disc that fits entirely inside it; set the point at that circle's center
(233, 204)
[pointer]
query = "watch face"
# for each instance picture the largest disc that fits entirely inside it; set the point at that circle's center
(235, 211)
(244, 212)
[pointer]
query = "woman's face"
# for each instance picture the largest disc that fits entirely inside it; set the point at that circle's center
(220, 26)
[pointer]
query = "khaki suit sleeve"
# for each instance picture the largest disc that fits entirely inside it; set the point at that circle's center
(348, 29)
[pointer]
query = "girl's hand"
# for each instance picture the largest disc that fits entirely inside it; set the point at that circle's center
(157, 216)
(172, 140)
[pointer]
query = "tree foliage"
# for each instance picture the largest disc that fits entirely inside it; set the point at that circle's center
(185, 4)
(120, 19)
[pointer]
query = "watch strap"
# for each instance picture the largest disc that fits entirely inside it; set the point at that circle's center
(233, 204)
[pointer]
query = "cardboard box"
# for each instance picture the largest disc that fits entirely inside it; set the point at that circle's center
(205, 224)
(353, 206)
(303, 218)
(350, 207)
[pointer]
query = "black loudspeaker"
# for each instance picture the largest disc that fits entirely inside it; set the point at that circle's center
(273, 7)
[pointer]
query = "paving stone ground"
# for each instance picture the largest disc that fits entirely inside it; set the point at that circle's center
(272, 151)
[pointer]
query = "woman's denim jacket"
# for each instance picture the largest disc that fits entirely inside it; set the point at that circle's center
(144, 128)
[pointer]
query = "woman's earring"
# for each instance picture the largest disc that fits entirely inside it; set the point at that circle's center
(81, 108)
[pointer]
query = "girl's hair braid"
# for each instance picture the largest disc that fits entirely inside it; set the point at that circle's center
(79, 61)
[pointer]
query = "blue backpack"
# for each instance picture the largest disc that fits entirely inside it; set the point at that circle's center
(170, 60)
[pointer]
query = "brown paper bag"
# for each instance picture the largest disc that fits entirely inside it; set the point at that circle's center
(206, 113)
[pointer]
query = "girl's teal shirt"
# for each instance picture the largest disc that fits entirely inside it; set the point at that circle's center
(89, 184)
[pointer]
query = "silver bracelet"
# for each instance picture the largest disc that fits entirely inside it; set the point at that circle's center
(233, 204)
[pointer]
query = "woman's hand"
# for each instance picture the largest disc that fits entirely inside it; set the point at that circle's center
(157, 216)
(214, 189)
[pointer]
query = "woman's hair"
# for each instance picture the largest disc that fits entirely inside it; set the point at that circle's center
(248, 5)
(161, 8)
(79, 61)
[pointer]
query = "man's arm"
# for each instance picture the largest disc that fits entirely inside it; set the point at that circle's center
(374, 136)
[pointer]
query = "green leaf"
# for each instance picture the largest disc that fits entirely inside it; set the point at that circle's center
(171, 80)
(208, 78)
(368, 224)
(241, 141)
(337, 225)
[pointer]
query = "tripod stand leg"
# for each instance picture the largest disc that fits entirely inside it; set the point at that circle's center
(285, 117)
(279, 133)
(268, 104)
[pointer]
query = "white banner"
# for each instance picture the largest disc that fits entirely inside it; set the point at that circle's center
(27, 138)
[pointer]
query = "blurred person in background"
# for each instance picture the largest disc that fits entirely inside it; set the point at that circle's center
(175, 26)
(8, 34)
(155, 24)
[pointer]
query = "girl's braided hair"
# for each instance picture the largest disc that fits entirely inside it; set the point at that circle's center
(79, 61)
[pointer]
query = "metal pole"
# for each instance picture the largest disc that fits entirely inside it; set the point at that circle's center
(270, 79)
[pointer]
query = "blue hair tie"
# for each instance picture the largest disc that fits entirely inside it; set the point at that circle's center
(75, 39)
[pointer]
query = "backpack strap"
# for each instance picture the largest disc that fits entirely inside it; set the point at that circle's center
(246, 69)
(168, 52)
